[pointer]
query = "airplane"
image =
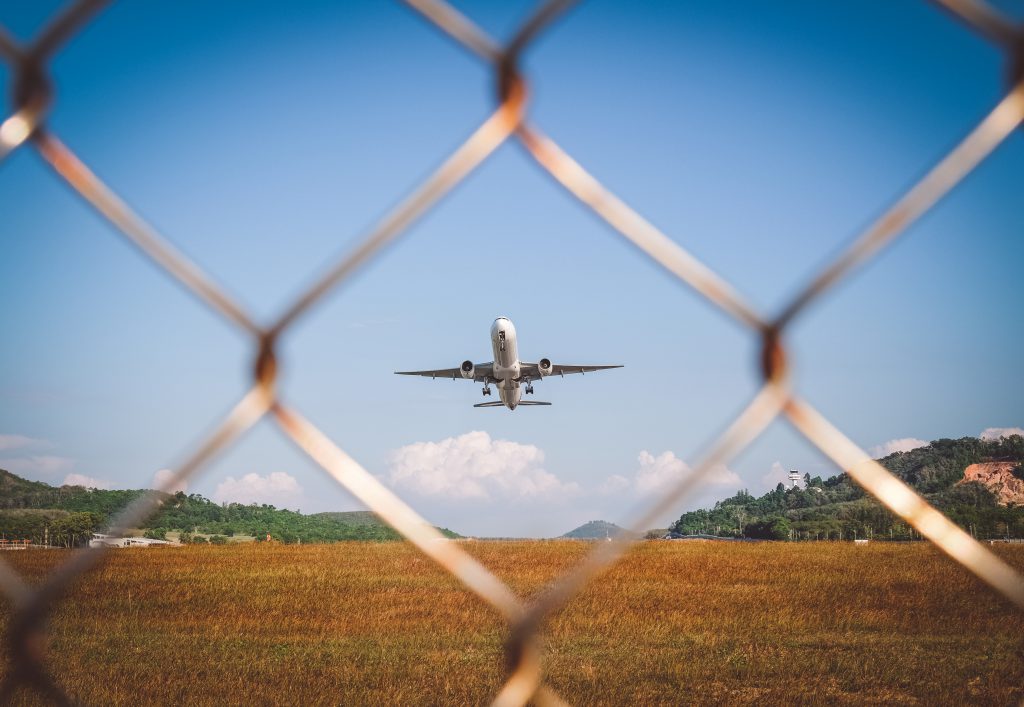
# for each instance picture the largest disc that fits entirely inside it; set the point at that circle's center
(506, 371)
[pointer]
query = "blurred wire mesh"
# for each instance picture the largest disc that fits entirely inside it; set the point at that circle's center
(26, 127)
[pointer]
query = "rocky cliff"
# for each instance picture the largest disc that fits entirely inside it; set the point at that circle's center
(998, 478)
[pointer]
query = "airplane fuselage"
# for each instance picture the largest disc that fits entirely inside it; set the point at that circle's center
(506, 361)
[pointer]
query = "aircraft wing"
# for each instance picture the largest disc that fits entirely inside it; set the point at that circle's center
(481, 374)
(531, 371)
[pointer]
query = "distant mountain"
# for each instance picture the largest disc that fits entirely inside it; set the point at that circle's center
(74, 512)
(973, 481)
(12, 485)
(595, 530)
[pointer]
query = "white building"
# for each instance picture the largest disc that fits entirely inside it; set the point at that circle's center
(99, 539)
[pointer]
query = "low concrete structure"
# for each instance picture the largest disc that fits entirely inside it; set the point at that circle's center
(99, 539)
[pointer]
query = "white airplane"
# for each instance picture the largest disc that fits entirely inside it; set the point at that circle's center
(507, 372)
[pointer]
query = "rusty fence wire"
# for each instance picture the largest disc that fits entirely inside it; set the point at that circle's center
(26, 127)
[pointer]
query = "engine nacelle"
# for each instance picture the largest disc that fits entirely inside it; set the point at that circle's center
(544, 367)
(468, 370)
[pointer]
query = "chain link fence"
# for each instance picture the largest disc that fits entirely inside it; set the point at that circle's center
(26, 127)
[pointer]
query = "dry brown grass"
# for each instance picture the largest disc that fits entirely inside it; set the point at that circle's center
(675, 622)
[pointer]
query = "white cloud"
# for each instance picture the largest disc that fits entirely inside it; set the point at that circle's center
(29, 464)
(277, 488)
(483, 471)
(474, 466)
(657, 474)
(994, 433)
(904, 444)
(19, 441)
(86, 481)
(37, 465)
(614, 484)
(662, 472)
(162, 476)
(777, 474)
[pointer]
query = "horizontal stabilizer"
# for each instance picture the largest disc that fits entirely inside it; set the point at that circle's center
(498, 403)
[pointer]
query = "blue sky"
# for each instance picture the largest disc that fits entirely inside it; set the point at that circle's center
(264, 140)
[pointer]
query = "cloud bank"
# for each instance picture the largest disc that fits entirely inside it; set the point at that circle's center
(656, 475)
(481, 485)
(994, 433)
(162, 476)
(904, 444)
(19, 441)
(37, 465)
(660, 474)
(277, 489)
(27, 462)
(777, 474)
(86, 481)
(474, 466)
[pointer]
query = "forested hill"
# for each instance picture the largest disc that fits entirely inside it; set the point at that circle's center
(837, 507)
(595, 530)
(72, 513)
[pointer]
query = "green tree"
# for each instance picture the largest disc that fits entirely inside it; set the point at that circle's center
(772, 528)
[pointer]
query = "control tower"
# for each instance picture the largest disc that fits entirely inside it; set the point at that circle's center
(794, 478)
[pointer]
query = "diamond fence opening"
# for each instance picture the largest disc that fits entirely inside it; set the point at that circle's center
(26, 128)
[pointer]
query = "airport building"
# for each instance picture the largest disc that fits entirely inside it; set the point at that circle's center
(99, 539)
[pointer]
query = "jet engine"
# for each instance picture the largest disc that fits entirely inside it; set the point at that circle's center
(468, 370)
(544, 367)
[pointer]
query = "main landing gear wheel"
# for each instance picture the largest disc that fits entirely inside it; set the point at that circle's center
(487, 390)
(529, 389)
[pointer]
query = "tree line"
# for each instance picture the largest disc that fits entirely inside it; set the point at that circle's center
(837, 508)
(69, 515)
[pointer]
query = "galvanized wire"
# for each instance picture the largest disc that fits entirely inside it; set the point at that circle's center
(32, 97)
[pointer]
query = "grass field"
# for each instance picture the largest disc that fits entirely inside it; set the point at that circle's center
(675, 622)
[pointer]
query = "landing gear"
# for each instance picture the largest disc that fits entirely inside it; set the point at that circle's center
(529, 388)
(487, 390)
